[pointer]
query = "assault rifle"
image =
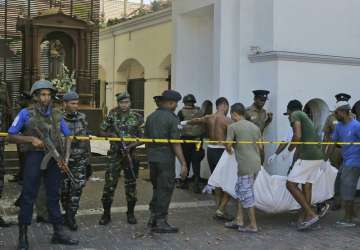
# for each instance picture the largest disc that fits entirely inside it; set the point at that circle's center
(52, 152)
(120, 131)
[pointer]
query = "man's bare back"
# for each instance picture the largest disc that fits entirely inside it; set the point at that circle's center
(216, 124)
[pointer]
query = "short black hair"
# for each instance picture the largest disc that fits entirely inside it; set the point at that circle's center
(221, 100)
(238, 108)
(294, 105)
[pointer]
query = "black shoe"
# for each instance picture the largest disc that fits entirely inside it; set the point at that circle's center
(59, 237)
(14, 179)
(151, 222)
(183, 184)
(70, 221)
(106, 217)
(23, 240)
(163, 227)
(131, 219)
(40, 219)
(196, 187)
(4, 223)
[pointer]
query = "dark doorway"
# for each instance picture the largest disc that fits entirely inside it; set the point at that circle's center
(136, 91)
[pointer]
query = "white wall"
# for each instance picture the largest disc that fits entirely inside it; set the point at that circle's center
(305, 81)
(322, 26)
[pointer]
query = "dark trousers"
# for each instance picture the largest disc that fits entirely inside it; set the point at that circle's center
(162, 177)
(214, 155)
(193, 158)
(30, 188)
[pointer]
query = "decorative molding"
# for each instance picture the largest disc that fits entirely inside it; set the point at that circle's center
(138, 23)
(303, 57)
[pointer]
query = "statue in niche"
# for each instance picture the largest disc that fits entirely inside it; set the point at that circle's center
(57, 59)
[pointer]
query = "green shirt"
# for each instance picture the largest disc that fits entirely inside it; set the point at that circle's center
(247, 155)
(308, 134)
(161, 124)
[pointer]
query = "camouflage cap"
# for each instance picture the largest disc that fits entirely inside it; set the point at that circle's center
(121, 96)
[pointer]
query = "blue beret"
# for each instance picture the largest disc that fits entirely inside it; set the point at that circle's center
(71, 96)
(171, 95)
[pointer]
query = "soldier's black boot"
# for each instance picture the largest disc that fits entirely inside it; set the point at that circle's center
(106, 217)
(130, 213)
(70, 221)
(23, 240)
(152, 221)
(60, 237)
(184, 184)
(163, 227)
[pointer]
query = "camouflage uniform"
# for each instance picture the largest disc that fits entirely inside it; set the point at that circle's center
(78, 162)
(130, 124)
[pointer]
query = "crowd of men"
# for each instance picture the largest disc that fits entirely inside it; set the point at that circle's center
(61, 166)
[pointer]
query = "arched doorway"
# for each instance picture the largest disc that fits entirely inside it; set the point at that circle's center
(318, 112)
(131, 72)
(166, 66)
(356, 110)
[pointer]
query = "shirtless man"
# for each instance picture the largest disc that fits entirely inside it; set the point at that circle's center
(217, 126)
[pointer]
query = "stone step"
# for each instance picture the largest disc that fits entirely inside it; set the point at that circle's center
(97, 161)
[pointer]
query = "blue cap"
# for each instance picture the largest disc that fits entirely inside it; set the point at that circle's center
(71, 96)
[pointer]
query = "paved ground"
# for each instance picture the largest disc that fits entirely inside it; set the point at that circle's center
(192, 213)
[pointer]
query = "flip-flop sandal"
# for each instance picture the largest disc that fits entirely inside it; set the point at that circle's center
(248, 230)
(324, 210)
(307, 224)
(232, 225)
(345, 224)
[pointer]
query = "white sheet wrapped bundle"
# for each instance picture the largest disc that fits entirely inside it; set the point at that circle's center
(271, 195)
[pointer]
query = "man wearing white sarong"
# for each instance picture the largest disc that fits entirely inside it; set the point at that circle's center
(249, 158)
(306, 167)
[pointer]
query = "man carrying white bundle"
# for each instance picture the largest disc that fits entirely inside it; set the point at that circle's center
(249, 158)
(306, 167)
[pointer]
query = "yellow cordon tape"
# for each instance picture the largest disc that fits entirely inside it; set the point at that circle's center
(197, 142)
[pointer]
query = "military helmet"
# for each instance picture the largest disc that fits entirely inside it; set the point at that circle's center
(189, 98)
(42, 84)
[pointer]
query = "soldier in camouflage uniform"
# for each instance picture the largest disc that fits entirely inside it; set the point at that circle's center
(79, 159)
(4, 107)
(121, 122)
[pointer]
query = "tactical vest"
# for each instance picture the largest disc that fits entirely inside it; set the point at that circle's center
(193, 131)
(48, 125)
(79, 127)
